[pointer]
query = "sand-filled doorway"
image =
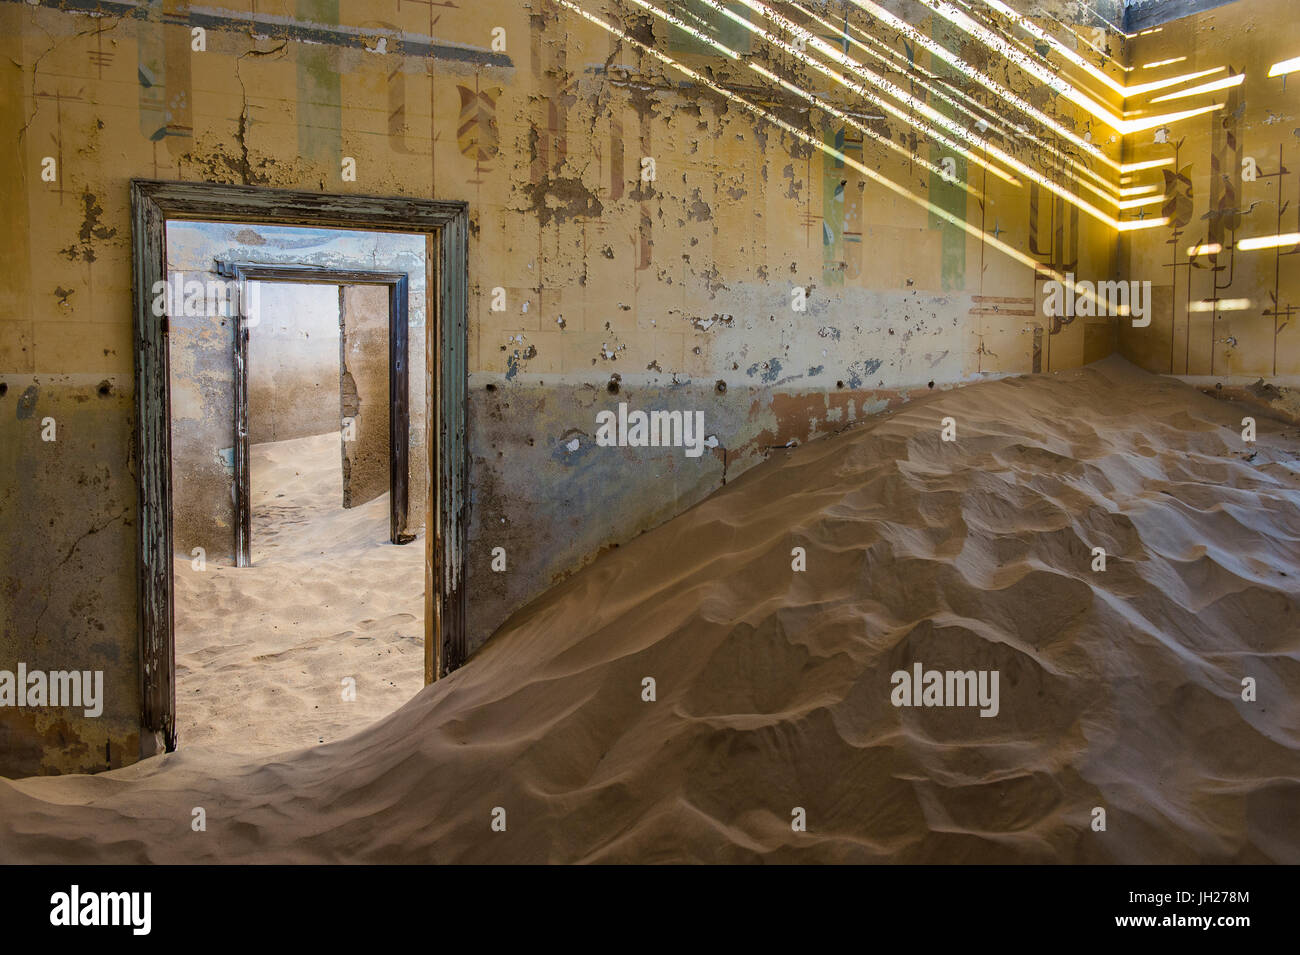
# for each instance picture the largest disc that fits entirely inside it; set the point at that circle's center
(376, 390)
(295, 424)
(317, 629)
(270, 431)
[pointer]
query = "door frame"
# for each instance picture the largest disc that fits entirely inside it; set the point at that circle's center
(399, 412)
(446, 223)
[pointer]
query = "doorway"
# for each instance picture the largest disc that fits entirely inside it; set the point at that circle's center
(360, 332)
(445, 226)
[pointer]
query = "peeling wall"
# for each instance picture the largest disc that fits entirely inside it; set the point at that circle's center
(674, 292)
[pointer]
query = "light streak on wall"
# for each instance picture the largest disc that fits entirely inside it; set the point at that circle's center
(1284, 67)
(1055, 82)
(1268, 241)
(1103, 188)
(936, 119)
(1133, 225)
(1226, 83)
(992, 85)
(1220, 305)
(1109, 82)
(884, 181)
(828, 107)
(914, 105)
(1147, 164)
(985, 116)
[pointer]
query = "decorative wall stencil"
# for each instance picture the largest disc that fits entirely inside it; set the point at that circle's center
(1225, 169)
(163, 71)
(476, 131)
(320, 92)
(1279, 306)
(833, 185)
(1053, 230)
(1178, 205)
(948, 195)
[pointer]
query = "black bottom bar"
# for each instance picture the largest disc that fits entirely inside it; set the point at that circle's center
(329, 906)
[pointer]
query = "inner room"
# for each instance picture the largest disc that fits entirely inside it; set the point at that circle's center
(299, 613)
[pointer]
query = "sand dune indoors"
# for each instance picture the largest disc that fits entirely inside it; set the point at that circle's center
(1118, 689)
(261, 651)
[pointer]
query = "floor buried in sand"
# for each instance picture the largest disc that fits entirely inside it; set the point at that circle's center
(264, 653)
(1120, 689)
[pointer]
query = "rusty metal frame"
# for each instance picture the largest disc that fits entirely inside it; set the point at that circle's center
(446, 223)
(399, 412)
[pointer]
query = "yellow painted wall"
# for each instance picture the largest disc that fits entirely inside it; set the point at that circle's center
(1253, 332)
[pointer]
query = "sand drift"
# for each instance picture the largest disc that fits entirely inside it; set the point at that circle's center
(261, 651)
(1119, 689)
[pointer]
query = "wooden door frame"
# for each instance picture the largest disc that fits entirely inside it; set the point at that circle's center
(153, 203)
(399, 412)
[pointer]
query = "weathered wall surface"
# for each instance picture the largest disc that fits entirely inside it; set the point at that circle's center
(293, 363)
(675, 291)
(678, 293)
(364, 354)
(202, 364)
(1141, 15)
(1233, 174)
(201, 348)
(67, 556)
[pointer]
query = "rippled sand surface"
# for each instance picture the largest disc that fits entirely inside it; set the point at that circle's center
(1119, 689)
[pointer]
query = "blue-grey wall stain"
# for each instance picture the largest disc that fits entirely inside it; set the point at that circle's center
(771, 369)
(27, 403)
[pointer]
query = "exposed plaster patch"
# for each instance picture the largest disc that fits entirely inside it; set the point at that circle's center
(698, 210)
(91, 229)
(27, 402)
(704, 324)
(562, 199)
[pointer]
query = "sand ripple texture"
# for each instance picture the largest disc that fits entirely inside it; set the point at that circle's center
(262, 651)
(1119, 690)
